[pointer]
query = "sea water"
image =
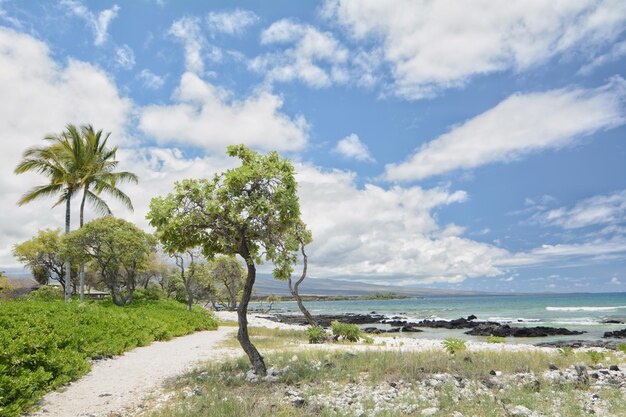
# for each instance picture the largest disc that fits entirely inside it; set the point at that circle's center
(585, 312)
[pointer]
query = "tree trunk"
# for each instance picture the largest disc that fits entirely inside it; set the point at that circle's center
(68, 272)
(296, 295)
(81, 271)
(242, 335)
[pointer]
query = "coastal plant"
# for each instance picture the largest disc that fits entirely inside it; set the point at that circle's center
(251, 211)
(566, 351)
(316, 334)
(621, 347)
(595, 357)
(495, 339)
(346, 331)
(453, 345)
(45, 293)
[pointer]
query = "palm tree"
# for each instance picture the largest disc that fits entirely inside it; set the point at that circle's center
(97, 176)
(62, 172)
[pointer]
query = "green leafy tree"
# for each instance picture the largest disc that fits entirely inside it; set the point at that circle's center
(43, 255)
(117, 250)
(63, 174)
(230, 277)
(250, 211)
(303, 237)
(189, 269)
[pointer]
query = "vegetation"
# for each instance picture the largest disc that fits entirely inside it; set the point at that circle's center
(270, 339)
(496, 339)
(316, 334)
(250, 211)
(595, 357)
(229, 278)
(42, 255)
(221, 390)
(303, 237)
(453, 345)
(346, 331)
(117, 250)
(44, 344)
(621, 347)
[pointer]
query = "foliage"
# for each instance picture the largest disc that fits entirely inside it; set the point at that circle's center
(229, 277)
(42, 254)
(595, 357)
(621, 347)
(316, 334)
(45, 293)
(495, 339)
(250, 211)
(153, 293)
(453, 345)
(5, 284)
(46, 344)
(346, 331)
(566, 351)
(116, 249)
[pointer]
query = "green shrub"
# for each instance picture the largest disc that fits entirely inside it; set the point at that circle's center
(46, 293)
(316, 334)
(45, 344)
(346, 331)
(153, 293)
(453, 345)
(495, 339)
(566, 351)
(621, 347)
(595, 357)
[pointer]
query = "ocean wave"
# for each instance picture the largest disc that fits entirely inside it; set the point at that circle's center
(505, 320)
(586, 308)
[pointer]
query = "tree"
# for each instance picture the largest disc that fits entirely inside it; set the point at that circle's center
(187, 263)
(43, 255)
(155, 271)
(303, 237)
(97, 165)
(249, 211)
(117, 250)
(228, 273)
(63, 173)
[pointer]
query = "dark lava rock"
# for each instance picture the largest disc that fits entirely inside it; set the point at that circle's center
(618, 334)
(471, 317)
(325, 319)
(553, 367)
(410, 329)
(580, 343)
(612, 321)
(462, 323)
(504, 330)
(614, 368)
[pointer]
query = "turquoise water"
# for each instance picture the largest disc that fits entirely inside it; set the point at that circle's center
(573, 311)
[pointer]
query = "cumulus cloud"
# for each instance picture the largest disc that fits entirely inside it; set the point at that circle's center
(99, 23)
(233, 22)
(125, 57)
(609, 209)
(435, 45)
(151, 80)
(351, 147)
(616, 281)
(188, 31)
(207, 116)
(39, 98)
(315, 58)
(517, 126)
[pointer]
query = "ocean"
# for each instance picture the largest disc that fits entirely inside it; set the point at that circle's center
(578, 311)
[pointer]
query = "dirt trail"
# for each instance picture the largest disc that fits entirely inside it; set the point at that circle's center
(121, 383)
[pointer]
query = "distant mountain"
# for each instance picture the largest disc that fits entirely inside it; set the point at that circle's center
(266, 284)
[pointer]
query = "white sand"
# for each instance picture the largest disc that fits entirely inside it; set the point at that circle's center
(122, 383)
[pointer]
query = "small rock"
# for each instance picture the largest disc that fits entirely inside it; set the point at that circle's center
(553, 367)
(106, 394)
(294, 358)
(427, 412)
(298, 402)
(293, 393)
(520, 410)
(614, 368)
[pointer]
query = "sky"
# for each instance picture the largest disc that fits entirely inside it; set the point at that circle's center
(463, 145)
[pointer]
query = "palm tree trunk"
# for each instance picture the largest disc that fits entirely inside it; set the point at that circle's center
(81, 272)
(68, 272)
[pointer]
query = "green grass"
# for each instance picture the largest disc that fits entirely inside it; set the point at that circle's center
(264, 338)
(45, 344)
(220, 390)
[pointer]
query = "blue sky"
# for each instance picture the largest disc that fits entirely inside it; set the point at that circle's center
(438, 143)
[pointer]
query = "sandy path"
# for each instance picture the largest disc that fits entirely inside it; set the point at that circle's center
(121, 383)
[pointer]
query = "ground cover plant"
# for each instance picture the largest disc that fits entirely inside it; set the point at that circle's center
(387, 383)
(44, 344)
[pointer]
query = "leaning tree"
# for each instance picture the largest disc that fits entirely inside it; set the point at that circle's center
(250, 211)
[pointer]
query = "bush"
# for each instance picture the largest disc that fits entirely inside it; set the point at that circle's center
(495, 339)
(566, 351)
(152, 293)
(349, 332)
(45, 344)
(621, 347)
(46, 293)
(316, 334)
(595, 357)
(453, 345)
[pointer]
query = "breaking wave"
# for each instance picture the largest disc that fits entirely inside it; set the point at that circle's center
(586, 308)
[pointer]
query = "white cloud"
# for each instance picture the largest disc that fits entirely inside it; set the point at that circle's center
(616, 281)
(99, 23)
(435, 45)
(39, 98)
(125, 57)
(316, 58)
(188, 31)
(232, 23)
(517, 126)
(616, 52)
(206, 116)
(607, 209)
(151, 80)
(352, 147)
